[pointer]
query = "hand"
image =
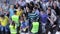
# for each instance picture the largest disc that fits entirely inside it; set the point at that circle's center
(53, 26)
(51, 22)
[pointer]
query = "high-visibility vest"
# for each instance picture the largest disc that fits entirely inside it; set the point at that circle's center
(35, 27)
(13, 30)
(15, 18)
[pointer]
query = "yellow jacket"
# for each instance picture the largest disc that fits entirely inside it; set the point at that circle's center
(19, 13)
(4, 21)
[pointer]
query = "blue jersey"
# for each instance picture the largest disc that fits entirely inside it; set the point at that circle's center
(43, 18)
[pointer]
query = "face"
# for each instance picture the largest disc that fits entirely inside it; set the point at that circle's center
(23, 15)
(49, 8)
(2, 16)
(5, 3)
(19, 8)
(12, 6)
(33, 9)
(16, 5)
(54, 4)
(21, 19)
(42, 12)
(27, 9)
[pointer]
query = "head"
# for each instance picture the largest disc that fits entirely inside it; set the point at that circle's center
(36, 6)
(15, 12)
(54, 5)
(21, 19)
(24, 16)
(12, 6)
(34, 9)
(17, 5)
(2, 16)
(42, 11)
(27, 5)
(31, 3)
(13, 23)
(27, 9)
(49, 8)
(19, 8)
(5, 3)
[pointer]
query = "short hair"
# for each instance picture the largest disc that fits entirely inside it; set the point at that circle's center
(50, 6)
(27, 5)
(5, 2)
(31, 3)
(42, 10)
(36, 4)
(2, 15)
(13, 23)
(15, 12)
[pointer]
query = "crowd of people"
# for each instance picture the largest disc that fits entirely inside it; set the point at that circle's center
(30, 17)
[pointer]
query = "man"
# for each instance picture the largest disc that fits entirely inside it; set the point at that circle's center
(51, 24)
(11, 10)
(4, 24)
(19, 11)
(5, 6)
(43, 20)
(32, 16)
(24, 28)
(15, 18)
(13, 27)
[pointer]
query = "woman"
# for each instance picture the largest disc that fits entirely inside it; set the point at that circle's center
(51, 24)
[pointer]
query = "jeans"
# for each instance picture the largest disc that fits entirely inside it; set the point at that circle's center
(43, 27)
(6, 28)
